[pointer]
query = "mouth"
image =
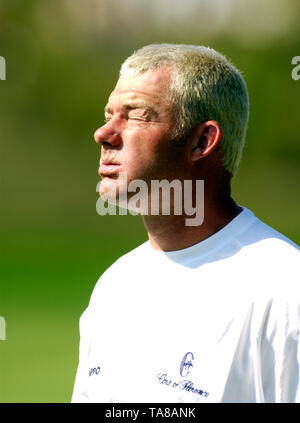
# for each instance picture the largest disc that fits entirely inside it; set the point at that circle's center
(108, 168)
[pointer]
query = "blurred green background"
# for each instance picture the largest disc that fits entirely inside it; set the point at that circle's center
(62, 61)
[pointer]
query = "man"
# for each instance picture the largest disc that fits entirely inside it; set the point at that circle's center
(199, 313)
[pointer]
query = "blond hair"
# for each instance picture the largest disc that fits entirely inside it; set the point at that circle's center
(205, 86)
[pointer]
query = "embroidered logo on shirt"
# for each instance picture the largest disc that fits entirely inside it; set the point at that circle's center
(183, 385)
(186, 364)
(94, 371)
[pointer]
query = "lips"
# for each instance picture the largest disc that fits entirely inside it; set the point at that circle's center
(108, 168)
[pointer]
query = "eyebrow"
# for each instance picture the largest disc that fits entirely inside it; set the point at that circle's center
(131, 106)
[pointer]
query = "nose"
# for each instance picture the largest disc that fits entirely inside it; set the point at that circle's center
(108, 135)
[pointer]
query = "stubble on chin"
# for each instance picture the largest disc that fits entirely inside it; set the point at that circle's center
(113, 190)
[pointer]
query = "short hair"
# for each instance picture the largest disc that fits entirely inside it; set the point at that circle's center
(205, 86)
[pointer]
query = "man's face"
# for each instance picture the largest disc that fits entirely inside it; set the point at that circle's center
(136, 138)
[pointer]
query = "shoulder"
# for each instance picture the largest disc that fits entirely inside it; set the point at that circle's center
(271, 262)
(266, 261)
(266, 243)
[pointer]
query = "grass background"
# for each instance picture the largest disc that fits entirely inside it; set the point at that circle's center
(54, 246)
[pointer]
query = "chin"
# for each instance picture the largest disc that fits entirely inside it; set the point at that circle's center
(112, 191)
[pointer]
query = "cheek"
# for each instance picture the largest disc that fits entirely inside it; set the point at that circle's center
(146, 151)
(140, 161)
(138, 150)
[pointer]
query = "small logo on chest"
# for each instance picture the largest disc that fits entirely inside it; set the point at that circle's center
(94, 371)
(186, 364)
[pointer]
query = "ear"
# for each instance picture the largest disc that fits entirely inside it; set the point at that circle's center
(203, 139)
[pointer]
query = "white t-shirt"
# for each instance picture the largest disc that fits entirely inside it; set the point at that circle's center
(215, 322)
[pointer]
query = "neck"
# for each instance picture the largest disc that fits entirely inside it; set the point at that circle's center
(170, 233)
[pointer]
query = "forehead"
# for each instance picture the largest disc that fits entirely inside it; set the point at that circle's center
(152, 86)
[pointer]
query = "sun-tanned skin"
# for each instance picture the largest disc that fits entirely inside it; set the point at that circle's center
(137, 139)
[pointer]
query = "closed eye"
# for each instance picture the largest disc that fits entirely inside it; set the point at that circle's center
(141, 115)
(138, 118)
